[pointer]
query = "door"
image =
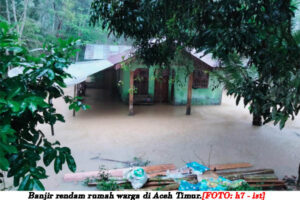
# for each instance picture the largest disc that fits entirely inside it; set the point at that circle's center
(141, 79)
(162, 86)
(172, 86)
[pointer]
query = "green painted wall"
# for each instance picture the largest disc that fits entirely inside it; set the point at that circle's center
(124, 87)
(151, 82)
(201, 96)
(125, 81)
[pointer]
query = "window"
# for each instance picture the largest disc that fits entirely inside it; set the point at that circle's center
(200, 79)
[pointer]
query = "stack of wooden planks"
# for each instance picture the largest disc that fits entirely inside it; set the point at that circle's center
(259, 178)
(264, 179)
(152, 171)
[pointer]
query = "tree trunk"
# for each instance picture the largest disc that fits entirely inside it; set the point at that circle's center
(256, 120)
(7, 12)
(57, 22)
(54, 17)
(15, 15)
(24, 17)
(59, 26)
(298, 181)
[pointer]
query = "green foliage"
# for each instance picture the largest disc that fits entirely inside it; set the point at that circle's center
(106, 183)
(25, 102)
(245, 187)
(139, 162)
(258, 32)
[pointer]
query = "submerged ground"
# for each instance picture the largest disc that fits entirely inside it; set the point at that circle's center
(164, 134)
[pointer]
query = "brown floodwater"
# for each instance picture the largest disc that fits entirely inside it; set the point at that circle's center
(163, 133)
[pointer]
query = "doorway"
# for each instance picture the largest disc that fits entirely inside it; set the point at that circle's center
(162, 86)
(141, 79)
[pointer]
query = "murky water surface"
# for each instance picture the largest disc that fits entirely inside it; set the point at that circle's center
(164, 134)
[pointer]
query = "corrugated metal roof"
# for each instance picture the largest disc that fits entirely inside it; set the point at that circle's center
(208, 59)
(117, 58)
(102, 57)
(81, 70)
(96, 51)
(116, 54)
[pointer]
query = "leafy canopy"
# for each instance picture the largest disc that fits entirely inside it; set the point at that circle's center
(25, 102)
(243, 34)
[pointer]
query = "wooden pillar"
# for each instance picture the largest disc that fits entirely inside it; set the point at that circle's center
(75, 94)
(189, 95)
(131, 93)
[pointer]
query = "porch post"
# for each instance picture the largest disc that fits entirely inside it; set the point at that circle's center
(189, 95)
(131, 93)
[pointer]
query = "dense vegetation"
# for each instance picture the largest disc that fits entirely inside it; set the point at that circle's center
(246, 36)
(26, 99)
(39, 21)
(25, 102)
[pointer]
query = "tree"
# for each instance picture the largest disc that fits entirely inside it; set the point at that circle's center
(20, 22)
(255, 32)
(7, 11)
(297, 37)
(25, 102)
(44, 21)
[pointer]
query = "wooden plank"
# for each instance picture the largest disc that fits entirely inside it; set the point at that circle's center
(189, 96)
(131, 93)
(252, 177)
(170, 187)
(156, 179)
(257, 177)
(270, 186)
(159, 168)
(230, 166)
(159, 183)
(117, 172)
(163, 173)
(261, 180)
(265, 181)
(247, 172)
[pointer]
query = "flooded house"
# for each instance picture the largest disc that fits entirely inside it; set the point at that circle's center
(135, 83)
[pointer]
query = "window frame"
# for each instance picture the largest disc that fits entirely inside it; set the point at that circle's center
(200, 81)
